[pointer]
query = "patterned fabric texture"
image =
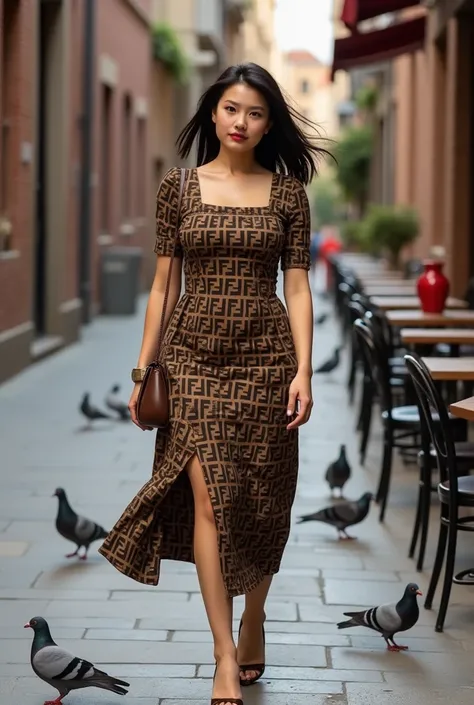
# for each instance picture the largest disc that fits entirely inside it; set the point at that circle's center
(230, 356)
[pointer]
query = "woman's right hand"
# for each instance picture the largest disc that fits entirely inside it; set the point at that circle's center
(132, 406)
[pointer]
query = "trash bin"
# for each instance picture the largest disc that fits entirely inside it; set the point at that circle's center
(120, 273)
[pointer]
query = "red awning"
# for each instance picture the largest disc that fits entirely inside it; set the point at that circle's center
(380, 45)
(355, 11)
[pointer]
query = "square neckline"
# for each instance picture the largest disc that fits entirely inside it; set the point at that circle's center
(216, 207)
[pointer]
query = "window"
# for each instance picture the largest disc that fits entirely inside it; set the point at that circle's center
(105, 146)
(304, 87)
(141, 169)
(127, 158)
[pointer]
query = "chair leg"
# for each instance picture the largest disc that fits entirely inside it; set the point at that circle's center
(384, 485)
(438, 562)
(363, 398)
(425, 510)
(416, 525)
(365, 430)
(448, 574)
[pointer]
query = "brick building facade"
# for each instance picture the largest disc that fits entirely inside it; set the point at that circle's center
(42, 51)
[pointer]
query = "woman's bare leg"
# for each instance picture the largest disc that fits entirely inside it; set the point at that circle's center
(218, 605)
(251, 648)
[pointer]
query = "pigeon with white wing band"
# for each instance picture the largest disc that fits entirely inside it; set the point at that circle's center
(388, 619)
(64, 671)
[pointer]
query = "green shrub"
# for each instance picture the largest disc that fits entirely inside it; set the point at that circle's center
(167, 49)
(390, 228)
(354, 156)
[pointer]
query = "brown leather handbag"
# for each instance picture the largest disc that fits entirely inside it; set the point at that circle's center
(153, 400)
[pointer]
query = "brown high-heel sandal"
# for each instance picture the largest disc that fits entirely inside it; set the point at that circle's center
(221, 701)
(259, 667)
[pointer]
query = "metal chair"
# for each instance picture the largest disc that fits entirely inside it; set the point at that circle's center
(454, 490)
(400, 423)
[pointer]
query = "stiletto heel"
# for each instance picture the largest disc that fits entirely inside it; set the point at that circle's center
(259, 667)
(221, 701)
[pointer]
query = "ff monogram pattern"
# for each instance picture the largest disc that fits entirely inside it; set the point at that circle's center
(230, 357)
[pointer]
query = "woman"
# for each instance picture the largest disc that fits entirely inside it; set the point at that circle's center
(225, 470)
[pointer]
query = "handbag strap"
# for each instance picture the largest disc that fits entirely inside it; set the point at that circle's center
(168, 278)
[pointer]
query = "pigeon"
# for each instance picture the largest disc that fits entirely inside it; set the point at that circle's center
(64, 671)
(343, 515)
(91, 413)
(113, 402)
(338, 472)
(321, 319)
(331, 363)
(390, 618)
(75, 528)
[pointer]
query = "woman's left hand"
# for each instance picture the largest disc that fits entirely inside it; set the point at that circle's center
(300, 391)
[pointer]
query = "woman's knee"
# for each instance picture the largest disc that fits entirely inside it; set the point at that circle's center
(202, 501)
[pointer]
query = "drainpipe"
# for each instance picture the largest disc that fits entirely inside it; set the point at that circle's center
(85, 210)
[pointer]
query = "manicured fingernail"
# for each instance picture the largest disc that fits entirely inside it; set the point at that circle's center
(289, 412)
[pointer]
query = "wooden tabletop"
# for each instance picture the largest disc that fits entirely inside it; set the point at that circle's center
(401, 288)
(430, 336)
(464, 409)
(451, 368)
(388, 303)
(417, 319)
(377, 278)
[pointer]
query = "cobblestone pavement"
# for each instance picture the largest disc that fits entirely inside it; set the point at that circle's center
(157, 638)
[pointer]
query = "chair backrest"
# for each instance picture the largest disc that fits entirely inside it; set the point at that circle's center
(434, 419)
(356, 309)
(374, 355)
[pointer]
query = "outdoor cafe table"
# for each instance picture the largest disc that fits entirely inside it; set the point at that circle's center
(434, 336)
(402, 288)
(463, 409)
(451, 369)
(417, 319)
(387, 303)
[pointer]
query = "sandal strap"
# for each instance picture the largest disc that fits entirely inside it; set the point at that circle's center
(252, 667)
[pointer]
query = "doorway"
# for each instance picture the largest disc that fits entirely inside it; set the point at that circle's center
(49, 115)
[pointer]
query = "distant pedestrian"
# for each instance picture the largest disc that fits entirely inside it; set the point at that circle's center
(225, 469)
(314, 245)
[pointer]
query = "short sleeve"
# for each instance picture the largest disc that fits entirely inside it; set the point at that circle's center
(295, 253)
(167, 213)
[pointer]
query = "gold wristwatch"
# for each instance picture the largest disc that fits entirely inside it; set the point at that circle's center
(138, 374)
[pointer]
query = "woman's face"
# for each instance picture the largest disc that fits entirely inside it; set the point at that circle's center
(242, 118)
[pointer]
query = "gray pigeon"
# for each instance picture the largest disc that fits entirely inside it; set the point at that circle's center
(64, 671)
(92, 413)
(388, 619)
(338, 472)
(331, 363)
(113, 402)
(342, 515)
(75, 528)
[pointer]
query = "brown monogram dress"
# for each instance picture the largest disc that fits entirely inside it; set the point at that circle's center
(230, 356)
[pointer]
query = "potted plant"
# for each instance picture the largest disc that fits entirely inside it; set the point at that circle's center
(167, 48)
(390, 229)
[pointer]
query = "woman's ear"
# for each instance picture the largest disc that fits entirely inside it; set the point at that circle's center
(269, 127)
(213, 114)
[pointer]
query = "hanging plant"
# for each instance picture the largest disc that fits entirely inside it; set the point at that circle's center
(168, 50)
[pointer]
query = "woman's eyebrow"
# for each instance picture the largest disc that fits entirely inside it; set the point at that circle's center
(237, 105)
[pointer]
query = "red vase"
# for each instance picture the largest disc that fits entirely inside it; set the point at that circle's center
(433, 287)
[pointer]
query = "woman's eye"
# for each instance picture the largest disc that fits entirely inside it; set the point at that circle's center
(229, 107)
(256, 115)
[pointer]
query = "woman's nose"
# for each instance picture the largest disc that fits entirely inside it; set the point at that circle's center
(240, 123)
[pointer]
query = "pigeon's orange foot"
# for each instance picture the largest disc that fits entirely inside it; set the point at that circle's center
(396, 647)
(346, 537)
(84, 557)
(54, 702)
(70, 555)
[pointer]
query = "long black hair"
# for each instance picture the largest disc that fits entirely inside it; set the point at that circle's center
(285, 148)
